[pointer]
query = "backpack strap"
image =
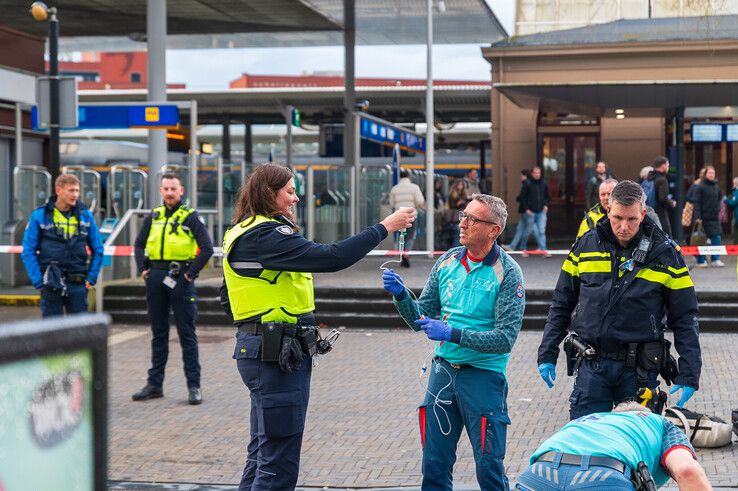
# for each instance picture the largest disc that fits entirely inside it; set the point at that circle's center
(681, 417)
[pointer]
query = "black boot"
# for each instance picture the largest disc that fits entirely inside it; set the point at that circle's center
(148, 392)
(404, 262)
(195, 396)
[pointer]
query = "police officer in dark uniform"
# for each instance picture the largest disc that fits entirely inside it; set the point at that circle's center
(268, 291)
(624, 281)
(171, 237)
(55, 250)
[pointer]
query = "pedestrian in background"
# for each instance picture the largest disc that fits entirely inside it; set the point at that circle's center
(457, 201)
(535, 200)
(604, 450)
(663, 199)
(406, 194)
(471, 183)
(472, 304)
(688, 210)
(268, 292)
(707, 198)
(592, 194)
(171, 249)
(521, 230)
(626, 282)
(732, 202)
(650, 212)
(55, 246)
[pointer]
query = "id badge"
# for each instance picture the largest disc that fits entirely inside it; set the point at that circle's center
(170, 282)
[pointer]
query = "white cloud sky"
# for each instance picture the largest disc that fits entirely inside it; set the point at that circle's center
(215, 68)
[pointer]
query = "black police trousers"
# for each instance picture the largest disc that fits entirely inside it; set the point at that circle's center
(279, 404)
(182, 301)
(602, 384)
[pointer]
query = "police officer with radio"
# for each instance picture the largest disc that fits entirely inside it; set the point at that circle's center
(55, 250)
(170, 237)
(624, 282)
(268, 291)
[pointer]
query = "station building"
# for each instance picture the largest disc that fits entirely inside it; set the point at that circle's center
(567, 99)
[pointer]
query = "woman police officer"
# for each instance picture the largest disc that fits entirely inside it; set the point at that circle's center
(267, 267)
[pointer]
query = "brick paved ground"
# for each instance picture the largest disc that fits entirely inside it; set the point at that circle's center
(362, 429)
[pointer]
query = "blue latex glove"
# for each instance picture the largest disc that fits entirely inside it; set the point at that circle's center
(548, 373)
(435, 329)
(392, 282)
(687, 393)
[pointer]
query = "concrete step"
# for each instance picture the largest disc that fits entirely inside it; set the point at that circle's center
(373, 308)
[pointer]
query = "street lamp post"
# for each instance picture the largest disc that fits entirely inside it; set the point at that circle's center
(41, 12)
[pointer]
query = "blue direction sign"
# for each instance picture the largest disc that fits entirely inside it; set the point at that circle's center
(124, 116)
(388, 134)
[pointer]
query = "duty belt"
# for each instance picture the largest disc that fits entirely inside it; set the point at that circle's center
(257, 328)
(572, 459)
(440, 359)
(75, 278)
(165, 265)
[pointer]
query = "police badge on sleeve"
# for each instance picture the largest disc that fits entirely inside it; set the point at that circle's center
(285, 230)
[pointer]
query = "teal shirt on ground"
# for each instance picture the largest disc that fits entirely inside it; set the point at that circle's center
(630, 437)
(483, 300)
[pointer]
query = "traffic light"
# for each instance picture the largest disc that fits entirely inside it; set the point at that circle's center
(295, 117)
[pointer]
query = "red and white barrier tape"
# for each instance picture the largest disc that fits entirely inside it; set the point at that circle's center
(721, 250)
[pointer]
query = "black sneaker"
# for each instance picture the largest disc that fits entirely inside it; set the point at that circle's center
(404, 262)
(195, 396)
(148, 392)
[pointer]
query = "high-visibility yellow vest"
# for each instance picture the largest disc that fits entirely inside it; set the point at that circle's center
(68, 226)
(591, 217)
(169, 239)
(268, 295)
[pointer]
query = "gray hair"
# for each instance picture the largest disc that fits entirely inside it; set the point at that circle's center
(609, 180)
(630, 406)
(735, 182)
(626, 193)
(645, 172)
(497, 208)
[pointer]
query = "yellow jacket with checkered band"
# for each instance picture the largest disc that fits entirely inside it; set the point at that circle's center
(615, 301)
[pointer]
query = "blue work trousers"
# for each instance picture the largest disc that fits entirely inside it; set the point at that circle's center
(54, 303)
(458, 398)
(555, 476)
(602, 384)
(182, 302)
(279, 404)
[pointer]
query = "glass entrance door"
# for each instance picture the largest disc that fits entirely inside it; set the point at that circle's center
(568, 161)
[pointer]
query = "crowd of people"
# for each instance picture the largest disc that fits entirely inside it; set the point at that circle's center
(623, 283)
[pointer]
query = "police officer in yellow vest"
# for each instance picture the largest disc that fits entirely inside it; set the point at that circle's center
(269, 293)
(171, 237)
(598, 211)
(55, 250)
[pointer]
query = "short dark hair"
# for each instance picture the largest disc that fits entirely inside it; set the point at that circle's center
(171, 175)
(627, 193)
(659, 161)
(404, 173)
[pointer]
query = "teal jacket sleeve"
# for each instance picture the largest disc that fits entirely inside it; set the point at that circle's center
(428, 304)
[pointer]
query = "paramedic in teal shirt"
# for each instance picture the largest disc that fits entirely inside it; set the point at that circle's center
(472, 305)
(601, 451)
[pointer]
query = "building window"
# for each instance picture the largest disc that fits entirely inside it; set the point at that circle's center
(136, 78)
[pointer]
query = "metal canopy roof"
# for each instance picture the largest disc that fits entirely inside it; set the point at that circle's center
(319, 105)
(126, 17)
(378, 22)
(650, 97)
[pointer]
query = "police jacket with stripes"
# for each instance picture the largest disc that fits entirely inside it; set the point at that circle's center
(609, 304)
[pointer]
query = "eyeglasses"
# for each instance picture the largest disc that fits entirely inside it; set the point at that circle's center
(473, 220)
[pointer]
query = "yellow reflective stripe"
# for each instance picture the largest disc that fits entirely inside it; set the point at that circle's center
(677, 271)
(595, 267)
(594, 254)
(570, 268)
(665, 279)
